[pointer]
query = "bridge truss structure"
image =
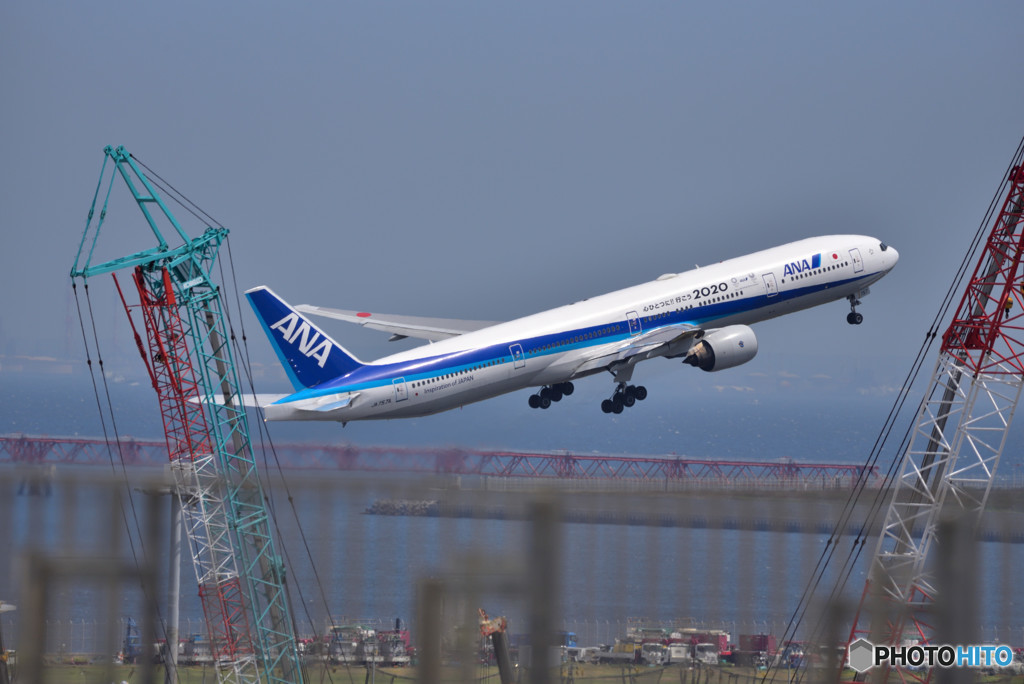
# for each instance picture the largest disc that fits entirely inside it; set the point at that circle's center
(40, 449)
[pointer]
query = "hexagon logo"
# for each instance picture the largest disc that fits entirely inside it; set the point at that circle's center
(861, 655)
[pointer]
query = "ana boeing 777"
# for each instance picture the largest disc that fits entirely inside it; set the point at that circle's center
(701, 317)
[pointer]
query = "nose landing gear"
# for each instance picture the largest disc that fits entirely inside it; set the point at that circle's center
(625, 396)
(854, 318)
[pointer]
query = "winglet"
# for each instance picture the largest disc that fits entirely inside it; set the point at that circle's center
(309, 355)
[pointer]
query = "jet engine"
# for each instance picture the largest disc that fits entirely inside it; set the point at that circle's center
(723, 348)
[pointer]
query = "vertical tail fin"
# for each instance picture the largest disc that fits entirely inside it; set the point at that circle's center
(308, 354)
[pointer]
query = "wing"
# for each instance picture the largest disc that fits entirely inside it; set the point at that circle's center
(673, 340)
(400, 327)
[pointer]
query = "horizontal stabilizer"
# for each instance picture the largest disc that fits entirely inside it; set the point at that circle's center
(309, 408)
(328, 403)
(248, 400)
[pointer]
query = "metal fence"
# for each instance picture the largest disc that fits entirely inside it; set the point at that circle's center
(88, 548)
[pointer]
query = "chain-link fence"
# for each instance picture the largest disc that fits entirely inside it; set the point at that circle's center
(585, 568)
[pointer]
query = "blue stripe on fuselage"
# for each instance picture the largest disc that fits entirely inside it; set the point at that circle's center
(371, 376)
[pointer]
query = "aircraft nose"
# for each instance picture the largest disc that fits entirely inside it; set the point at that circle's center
(890, 256)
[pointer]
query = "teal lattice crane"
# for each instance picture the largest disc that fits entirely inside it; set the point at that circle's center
(190, 361)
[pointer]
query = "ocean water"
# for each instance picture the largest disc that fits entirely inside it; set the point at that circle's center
(695, 422)
(345, 565)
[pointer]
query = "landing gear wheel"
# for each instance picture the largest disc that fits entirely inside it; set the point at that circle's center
(629, 392)
(641, 392)
(854, 318)
(619, 400)
(551, 393)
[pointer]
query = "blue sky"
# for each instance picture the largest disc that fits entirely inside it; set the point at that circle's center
(488, 160)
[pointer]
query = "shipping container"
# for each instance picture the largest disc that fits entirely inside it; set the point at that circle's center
(758, 643)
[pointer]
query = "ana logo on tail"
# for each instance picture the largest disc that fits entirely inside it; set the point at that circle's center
(310, 343)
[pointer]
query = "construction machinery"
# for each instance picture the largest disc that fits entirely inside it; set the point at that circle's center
(186, 346)
(948, 468)
(496, 629)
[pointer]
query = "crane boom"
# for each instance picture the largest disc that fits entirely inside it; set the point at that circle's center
(961, 429)
(238, 569)
(196, 475)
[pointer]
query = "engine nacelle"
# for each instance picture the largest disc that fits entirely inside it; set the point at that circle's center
(724, 348)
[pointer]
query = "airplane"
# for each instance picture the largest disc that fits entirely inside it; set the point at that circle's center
(701, 317)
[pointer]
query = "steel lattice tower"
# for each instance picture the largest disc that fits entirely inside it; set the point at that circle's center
(195, 337)
(964, 420)
(199, 487)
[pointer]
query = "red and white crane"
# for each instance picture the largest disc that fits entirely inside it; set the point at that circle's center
(961, 430)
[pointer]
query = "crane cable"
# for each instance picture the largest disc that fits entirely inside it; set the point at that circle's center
(857, 547)
(242, 353)
(880, 443)
(179, 197)
(117, 440)
(842, 523)
(267, 443)
(952, 293)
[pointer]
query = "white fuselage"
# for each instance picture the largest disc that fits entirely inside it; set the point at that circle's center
(575, 340)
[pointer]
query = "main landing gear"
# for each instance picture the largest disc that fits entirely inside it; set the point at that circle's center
(854, 318)
(551, 393)
(624, 397)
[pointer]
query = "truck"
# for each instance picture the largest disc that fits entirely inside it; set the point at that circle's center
(197, 651)
(680, 652)
(654, 653)
(394, 647)
(706, 654)
(791, 655)
(579, 654)
(646, 634)
(707, 646)
(622, 653)
(344, 644)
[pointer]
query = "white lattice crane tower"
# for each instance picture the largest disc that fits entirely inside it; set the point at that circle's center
(188, 353)
(950, 463)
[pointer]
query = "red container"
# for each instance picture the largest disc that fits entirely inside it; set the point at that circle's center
(762, 643)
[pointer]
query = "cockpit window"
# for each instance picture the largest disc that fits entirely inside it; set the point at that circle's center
(883, 246)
